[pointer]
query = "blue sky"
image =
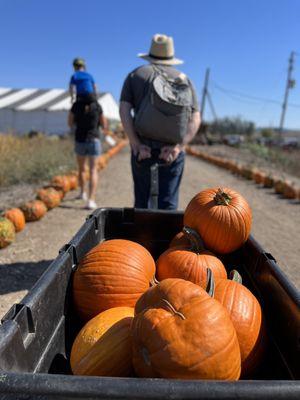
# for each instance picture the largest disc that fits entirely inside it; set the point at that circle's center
(246, 43)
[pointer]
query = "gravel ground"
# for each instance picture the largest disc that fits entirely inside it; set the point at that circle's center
(276, 222)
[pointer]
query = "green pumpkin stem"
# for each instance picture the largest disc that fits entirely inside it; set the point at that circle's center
(210, 285)
(235, 276)
(222, 198)
(197, 245)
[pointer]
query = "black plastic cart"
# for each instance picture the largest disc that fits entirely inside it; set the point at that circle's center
(36, 335)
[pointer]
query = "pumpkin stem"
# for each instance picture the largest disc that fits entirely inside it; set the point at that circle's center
(210, 285)
(173, 309)
(235, 276)
(222, 198)
(154, 281)
(195, 239)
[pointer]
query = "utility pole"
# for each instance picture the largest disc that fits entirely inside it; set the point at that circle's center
(204, 93)
(211, 104)
(290, 84)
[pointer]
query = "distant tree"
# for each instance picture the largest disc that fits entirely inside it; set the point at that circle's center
(267, 133)
(232, 126)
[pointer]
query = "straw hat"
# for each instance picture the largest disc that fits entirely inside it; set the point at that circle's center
(161, 51)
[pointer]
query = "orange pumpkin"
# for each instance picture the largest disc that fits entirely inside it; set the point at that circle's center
(247, 172)
(258, 177)
(222, 217)
(103, 346)
(239, 169)
(114, 273)
(102, 162)
(190, 263)
(58, 188)
(268, 181)
(290, 191)
(246, 315)
(16, 216)
(279, 186)
(61, 181)
(50, 197)
(179, 331)
(34, 210)
(73, 181)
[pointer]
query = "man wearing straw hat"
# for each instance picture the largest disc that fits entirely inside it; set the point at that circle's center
(160, 114)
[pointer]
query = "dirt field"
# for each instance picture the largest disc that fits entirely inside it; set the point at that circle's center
(276, 223)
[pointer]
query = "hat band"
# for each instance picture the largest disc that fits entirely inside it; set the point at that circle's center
(161, 58)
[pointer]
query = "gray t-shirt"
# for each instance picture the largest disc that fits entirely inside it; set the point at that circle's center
(136, 86)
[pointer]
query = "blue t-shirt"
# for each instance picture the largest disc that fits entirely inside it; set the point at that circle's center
(83, 81)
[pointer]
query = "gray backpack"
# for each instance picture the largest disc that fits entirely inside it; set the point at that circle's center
(166, 108)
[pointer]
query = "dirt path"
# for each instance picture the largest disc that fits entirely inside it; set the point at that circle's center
(276, 224)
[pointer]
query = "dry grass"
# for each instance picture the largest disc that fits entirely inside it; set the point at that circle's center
(30, 160)
(284, 160)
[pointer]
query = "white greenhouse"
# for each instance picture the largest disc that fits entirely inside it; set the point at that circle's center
(43, 110)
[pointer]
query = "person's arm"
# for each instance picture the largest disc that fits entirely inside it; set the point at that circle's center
(127, 121)
(103, 123)
(72, 92)
(72, 89)
(193, 127)
(71, 119)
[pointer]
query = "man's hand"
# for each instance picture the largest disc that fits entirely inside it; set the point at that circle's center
(170, 153)
(141, 151)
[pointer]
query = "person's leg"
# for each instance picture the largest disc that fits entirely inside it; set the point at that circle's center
(81, 174)
(141, 182)
(93, 177)
(80, 151)
(94, 151)
(169, 182)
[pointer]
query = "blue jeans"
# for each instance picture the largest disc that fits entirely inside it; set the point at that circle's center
(90, 148)
(169, 181)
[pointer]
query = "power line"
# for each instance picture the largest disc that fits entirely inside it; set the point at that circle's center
(248, 96)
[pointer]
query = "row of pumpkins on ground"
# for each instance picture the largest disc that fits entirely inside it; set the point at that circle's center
(181, 317)
(282, 186)
(48, 197)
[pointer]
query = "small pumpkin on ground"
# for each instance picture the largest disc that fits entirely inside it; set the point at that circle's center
(222, 217)
(34, 210)
(179, 331)
(102, 162)
(246, 315)
(50, 197)
(189, 262)
(58, 188)
(61, 181)
(7, 232)
(16, 216)
(247, 172)
(103, 347)
(290, 191)
(258, 177)
(279, 186)
(73, 181)
(114, 273)
(268, 181)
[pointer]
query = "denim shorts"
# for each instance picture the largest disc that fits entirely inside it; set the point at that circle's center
(90, 148)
